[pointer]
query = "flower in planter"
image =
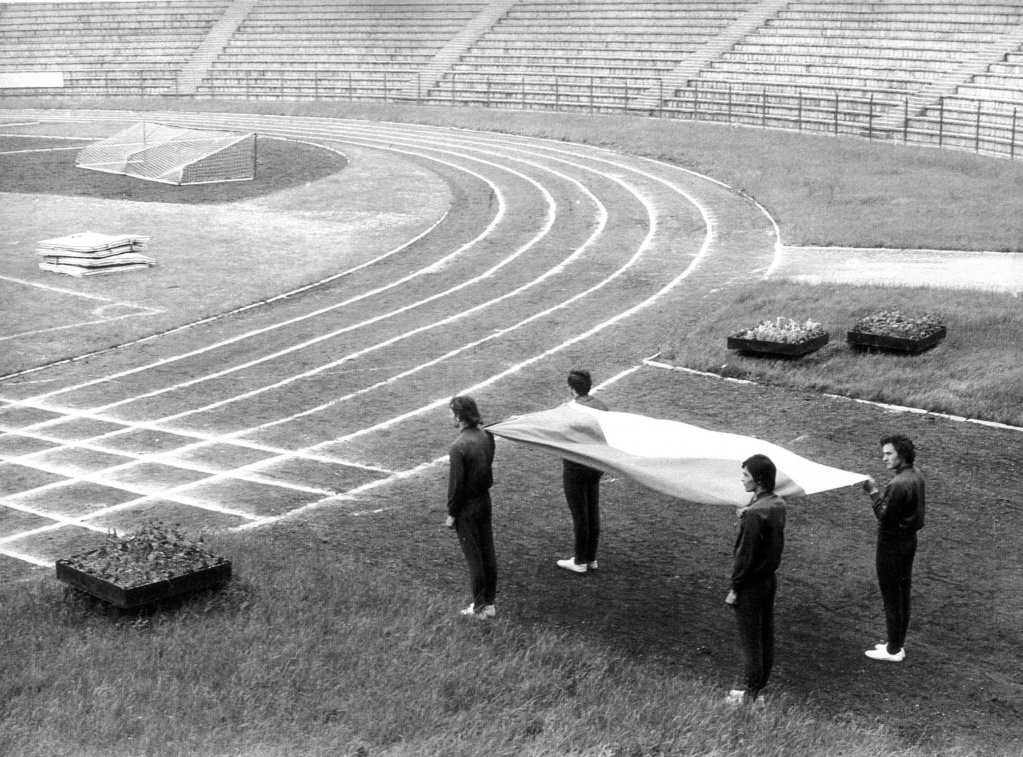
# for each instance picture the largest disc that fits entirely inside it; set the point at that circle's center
(894, 323)
(783, 330)
(153, 553)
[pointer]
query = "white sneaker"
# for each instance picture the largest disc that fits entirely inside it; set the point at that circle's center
(470, 610)
(883, 654)
(592, 565)
(572, 565)
(488, 611)
(735, 696)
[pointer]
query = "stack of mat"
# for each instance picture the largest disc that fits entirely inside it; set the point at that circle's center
(90, 254)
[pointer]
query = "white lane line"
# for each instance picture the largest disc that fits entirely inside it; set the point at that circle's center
(636, 192)
(594, 235)
(41, 149)
(59, 290)
(78, 324)
(442, 402)
(219, 316)
(488, 231)
(650, 213)
(709, 239)
(710, 235)
(203, 440)
(654, 363)
(522, 250)
(58, 520)
(26, 558)
(601, 225)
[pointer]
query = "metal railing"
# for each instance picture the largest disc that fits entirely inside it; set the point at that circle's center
(952, 122)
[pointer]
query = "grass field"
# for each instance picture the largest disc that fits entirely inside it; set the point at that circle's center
(340, 634)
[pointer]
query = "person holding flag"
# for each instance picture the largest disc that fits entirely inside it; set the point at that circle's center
(899, 511)
(582, 487)
(757, 555)
(469, 506)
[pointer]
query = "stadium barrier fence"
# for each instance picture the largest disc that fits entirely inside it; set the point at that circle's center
(991, 128)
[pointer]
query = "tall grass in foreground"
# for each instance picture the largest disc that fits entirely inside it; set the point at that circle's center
(977, 371)
(314, 652)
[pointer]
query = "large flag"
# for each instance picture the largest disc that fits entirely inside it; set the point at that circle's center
(675, 458)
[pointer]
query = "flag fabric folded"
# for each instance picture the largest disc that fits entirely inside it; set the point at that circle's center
(674, 458)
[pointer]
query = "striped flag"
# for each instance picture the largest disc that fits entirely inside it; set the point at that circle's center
(685, 461)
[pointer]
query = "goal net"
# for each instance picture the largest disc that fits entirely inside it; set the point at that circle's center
(173, 155)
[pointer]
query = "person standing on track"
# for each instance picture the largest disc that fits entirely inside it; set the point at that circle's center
(582, 488)
(757, 555)
(900, 514)
(469, 506)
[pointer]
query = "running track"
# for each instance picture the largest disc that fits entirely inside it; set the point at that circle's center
(321, 397)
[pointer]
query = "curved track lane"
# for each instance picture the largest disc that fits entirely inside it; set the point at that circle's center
(340, 389)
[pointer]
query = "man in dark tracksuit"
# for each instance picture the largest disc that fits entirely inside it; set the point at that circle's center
(900, 514)
(582, 488)
(757, 555)
(469, 507)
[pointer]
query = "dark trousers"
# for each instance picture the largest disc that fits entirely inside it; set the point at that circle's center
(582, 492)
(475, 530)
(754, 615)
(895, 578)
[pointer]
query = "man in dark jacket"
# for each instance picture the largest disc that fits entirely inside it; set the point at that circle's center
(582, 488)
(900, 514)
(469, 507)
(757, 555)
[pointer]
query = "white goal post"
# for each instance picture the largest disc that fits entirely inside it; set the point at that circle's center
(173, 155)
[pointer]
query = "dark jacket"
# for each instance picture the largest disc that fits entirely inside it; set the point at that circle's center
(471, 455)
(760, 541)
(900, 509)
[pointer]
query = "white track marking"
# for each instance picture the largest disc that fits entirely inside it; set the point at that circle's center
(32, 560)
(59, 290)
(654, 363)
(259, 332)
(602, 222)
(42, 149)
(651, 214)
(710, 236)
(522, 250)
(293, 348)
(238, 310)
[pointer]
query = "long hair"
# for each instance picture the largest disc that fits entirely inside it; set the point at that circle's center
(903, 447)
(763, 471)
(580, 381)
(465, 410)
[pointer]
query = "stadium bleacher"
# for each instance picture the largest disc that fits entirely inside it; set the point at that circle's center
(105, 49)
(947, 73)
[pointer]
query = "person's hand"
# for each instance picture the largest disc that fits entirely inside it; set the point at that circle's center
(450, 522)
(870, 486)
(732, 598)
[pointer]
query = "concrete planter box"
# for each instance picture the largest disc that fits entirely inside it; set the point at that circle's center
(778, 349)
(137, 596)
(865, 341)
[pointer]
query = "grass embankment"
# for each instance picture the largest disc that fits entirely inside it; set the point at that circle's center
(975, 372)
(322, 650)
